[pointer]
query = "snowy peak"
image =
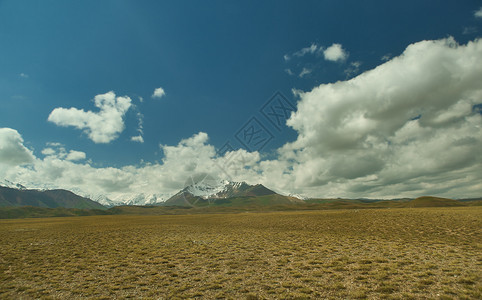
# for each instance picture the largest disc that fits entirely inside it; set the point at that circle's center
(298, 196)
(9, 184)
(221, 189)
(210, 189)
(130, 199)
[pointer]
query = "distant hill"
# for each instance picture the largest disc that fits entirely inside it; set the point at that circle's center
(12, 197)
(429, 201)
(425, 201)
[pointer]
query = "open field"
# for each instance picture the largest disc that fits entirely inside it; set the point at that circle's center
(371, 253)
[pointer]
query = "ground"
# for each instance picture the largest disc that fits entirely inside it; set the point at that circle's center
(368, 253)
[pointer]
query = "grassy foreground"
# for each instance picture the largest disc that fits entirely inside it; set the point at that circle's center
(373, 253)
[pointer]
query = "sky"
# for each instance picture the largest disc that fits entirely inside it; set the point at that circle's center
(374, 99)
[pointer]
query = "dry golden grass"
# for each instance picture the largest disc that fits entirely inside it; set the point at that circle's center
(356, 254)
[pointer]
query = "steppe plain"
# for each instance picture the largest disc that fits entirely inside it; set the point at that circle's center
(399, 253)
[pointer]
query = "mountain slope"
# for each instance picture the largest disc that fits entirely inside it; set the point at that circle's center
(50, 198)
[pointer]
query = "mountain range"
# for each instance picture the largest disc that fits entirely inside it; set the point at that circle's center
(202, 193)
(206, 193)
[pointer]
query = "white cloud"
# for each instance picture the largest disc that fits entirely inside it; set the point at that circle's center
(335, 53)
(289, 72)
(478, 13)
(140, 129)
(363, 135)
(23, 75)
(48, 151)
(137, 138)
(12, 150)
(158, 93)
(61, 168)
(353, 69)
(58, 151)
(312, 49)
(404, 129)
(308, 50)
(101, 127)
(304, 72)
(75, 155)
(469, 30)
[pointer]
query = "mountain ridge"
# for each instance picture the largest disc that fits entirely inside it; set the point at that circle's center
(13, 197)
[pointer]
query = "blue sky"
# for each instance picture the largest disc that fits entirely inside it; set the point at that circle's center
(218, 62)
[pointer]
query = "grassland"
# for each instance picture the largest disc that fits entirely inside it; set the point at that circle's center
(371, 253)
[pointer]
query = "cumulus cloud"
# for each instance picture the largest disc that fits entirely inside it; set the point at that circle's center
(158, 93)
(335, 53)
(411, 126)
(396, 129)
(103, 126)
(58, 151)
(12, 150)
(48, 151)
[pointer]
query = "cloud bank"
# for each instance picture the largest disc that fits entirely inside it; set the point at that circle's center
(62, 168)
(101, 127)
(410, 127)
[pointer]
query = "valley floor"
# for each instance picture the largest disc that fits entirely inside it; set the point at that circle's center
(373, 253)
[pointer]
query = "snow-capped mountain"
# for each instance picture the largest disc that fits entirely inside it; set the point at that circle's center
(211, 190)
(141, 199)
